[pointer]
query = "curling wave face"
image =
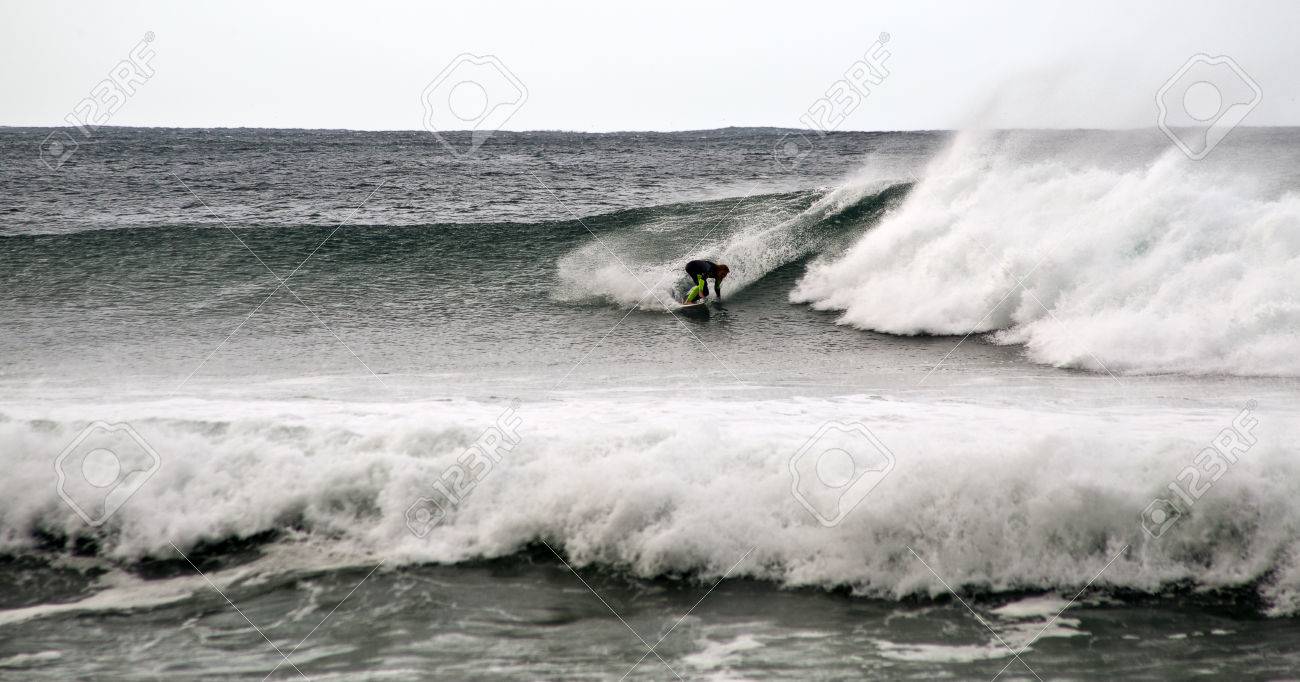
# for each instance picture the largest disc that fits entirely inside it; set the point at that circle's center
(639, 264)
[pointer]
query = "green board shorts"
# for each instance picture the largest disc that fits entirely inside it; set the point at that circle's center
(696, 291)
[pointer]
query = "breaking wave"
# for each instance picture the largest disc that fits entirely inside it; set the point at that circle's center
(996, 498)
(1155, 266)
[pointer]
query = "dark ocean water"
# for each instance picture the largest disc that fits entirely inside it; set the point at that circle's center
(129, 177)
(308, 332)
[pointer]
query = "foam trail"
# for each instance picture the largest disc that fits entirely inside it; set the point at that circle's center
(1158, 266)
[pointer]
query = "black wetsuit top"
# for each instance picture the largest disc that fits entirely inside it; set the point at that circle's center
(706, 269)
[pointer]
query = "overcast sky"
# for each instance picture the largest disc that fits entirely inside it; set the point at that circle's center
(604, 66)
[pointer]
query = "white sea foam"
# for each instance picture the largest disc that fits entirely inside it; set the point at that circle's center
(1134, 266)
(718, 654)
(30, 660)
(942, 653)
(999, 496)
(1046, 606)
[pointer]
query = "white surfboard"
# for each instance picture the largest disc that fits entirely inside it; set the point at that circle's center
(693, 306)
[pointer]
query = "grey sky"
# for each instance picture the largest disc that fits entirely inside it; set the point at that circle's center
(650, 66)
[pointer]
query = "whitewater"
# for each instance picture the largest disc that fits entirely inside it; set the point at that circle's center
(1154, 267)
(1036, 496)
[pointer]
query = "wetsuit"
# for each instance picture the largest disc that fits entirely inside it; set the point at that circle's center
(705, 269)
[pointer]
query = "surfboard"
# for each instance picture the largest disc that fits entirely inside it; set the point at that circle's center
(698, 305)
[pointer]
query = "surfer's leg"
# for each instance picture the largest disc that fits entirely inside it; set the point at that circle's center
(695, 292)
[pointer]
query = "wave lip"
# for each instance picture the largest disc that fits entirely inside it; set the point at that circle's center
(1157, 268)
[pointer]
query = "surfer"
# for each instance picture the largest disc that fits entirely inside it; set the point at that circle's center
(700, 271)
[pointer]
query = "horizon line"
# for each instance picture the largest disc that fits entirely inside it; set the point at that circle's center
(809, 131)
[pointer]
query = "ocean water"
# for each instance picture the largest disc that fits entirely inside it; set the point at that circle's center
(340, 405)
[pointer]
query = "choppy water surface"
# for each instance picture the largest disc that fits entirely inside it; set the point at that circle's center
(307, 332)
